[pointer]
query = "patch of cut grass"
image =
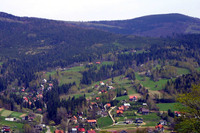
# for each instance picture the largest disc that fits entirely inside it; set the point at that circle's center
(6, 113)
(70, 77)
(104, 121)
(181, 71)
(16, 114)
(171, 106)
(107, 63)
(75, 69)
(122, 98)
(198, 69)
(13, 125)
(152, 85)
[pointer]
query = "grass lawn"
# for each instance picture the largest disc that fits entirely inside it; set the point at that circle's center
(148, 83)
(1, 110)
(120, 81)
(6, 113)
(66, 77)
(75, 69)
(166, 106)
(198, 69)
(70, 77)
(181, 71)
(104, 121)
(131, 90)
(52, 129)
(150, 117)
(16, 114)
(107, 63)
(122, 98)
(1, 63)
(13, 125)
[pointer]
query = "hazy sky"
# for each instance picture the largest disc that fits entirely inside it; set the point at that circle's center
(84, 10)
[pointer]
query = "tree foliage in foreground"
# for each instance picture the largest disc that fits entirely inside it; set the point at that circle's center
(189, 122)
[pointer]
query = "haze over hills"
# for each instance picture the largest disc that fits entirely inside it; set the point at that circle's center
(152, 25)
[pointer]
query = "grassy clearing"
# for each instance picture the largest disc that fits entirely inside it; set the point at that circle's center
(6, 113)
(1, 110)
(16, 114)
(75, 69)
(181, 71)
(150, 117)
(120, 127)
(69, 77)
(104, 121)
(122, 98)
(119, 80)
(65, 77)
(107, 63)
(52, 129)
(13, 125)
(171, 106)
(150, 84)
(198, 69)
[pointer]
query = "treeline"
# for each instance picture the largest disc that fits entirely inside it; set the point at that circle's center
(164, 72)
(182, 84)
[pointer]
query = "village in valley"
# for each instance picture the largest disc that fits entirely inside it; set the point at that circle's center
(112, 105)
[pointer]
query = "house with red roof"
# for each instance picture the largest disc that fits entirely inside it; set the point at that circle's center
(91, 131)
(121, 108)
(159, 127)
(50, 85)
(120, 112)
(25, 99)
(6, 129)
(92, 121)
(81, 130)
(101, 83)
(177, 113)
(133, 98)
(98, 62)
(108, 105)
(59, 131)
(97, 98)
(74, 119)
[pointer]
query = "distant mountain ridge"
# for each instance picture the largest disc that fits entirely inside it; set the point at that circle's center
(152, 25)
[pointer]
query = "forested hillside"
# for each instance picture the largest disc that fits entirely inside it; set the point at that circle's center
(65, 75)
(152, 25)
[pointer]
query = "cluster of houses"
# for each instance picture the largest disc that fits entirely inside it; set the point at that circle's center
(5, 129)
(30, 97)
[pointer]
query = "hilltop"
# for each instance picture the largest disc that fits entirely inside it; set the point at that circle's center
(152, 25)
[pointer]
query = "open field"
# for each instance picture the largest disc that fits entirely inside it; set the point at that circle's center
(104, 121)
(181, 71)
(107, 63)
(17, 114)
(13, 125)
(75, 69)
(171, 106)
(122, 98)
(65, 77)
(150, 84)
(6, 113)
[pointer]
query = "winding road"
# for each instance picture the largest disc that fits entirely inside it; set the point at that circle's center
(109, 112)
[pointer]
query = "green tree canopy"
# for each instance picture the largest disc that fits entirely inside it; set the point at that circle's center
(189, 122)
